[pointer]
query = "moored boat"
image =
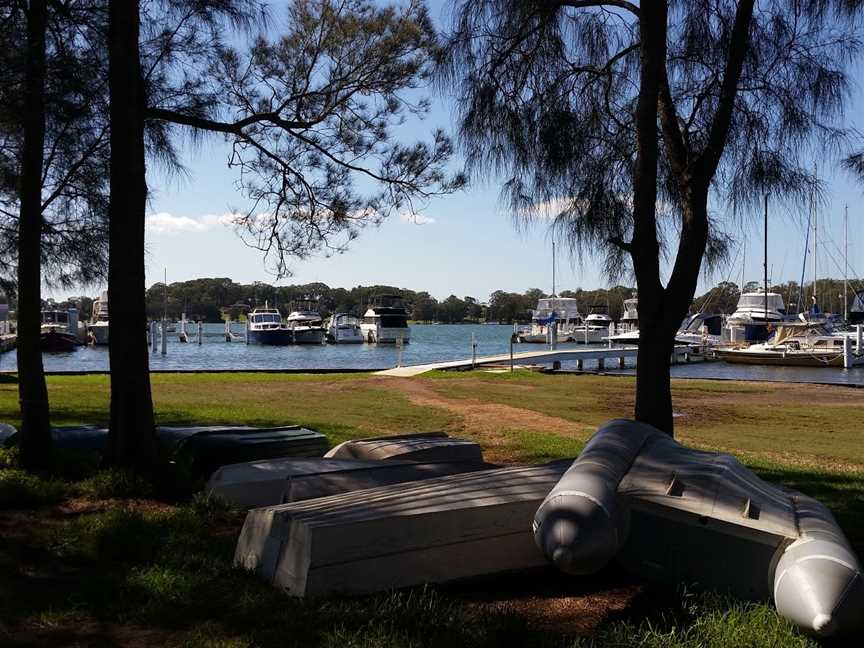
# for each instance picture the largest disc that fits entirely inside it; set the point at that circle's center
(344, 328)
(264, 326)
(801, 344)
(59, 331)
(306, 324)
(97, 329)
(386, 321)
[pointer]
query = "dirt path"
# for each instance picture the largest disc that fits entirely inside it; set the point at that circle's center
(486, 422)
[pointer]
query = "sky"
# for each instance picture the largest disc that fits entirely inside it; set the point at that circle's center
(463, 244)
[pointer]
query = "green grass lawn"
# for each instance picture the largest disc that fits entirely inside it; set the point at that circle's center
(99, 561)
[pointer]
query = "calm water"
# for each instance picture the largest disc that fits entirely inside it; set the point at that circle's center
(429, 343)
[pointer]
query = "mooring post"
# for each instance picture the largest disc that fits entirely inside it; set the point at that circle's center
(611, 333)
(601, 364)
(579, 364)
(154, 343)
(227, 329)
(847, 352)
(858, 330)
(512, 341)
(247, 329)
(473, 351)
(164, 336)
(621, 362)
(200, 332)
(399, 351)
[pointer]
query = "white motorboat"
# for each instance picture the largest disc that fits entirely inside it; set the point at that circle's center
(344, 328)
(566, 317)
(755, 311)
(97, 328)
(264, 326)
(386, 321)
(595, 328)
(306, 323)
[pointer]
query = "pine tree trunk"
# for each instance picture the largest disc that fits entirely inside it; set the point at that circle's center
(132, 426)
(653, 389)
(32, 392)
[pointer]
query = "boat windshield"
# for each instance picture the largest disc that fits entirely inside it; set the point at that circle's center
(55, 317)
(262, 318)
(757, 300)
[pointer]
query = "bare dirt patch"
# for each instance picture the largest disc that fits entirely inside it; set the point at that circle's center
(486, 422)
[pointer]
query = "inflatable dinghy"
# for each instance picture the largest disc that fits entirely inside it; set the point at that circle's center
(669, 512)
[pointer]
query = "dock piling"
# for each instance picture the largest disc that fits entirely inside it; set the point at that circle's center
(847, 352)
(164, 336)
(200, 332)
(858, 330)
(154, 343)
(473, 351)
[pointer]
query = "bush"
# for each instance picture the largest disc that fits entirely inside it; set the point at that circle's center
(20, 489)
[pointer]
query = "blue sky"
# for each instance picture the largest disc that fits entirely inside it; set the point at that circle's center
(468, 246)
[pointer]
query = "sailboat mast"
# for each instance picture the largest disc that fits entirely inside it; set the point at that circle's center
(846, 262)
(815, 244)
(553, 269)
(765, 261)
(165, 296)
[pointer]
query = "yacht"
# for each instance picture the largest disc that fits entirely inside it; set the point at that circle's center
(700, 329)
(856, 311)
(595, 328)
(630, 316)
(793, 343)
(386, 320)
(264, 326)
(306, 323)
(59, 330)
(749, 322)
(343, 328)
(567, 318)
(97, 329)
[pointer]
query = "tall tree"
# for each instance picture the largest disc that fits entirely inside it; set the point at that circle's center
(52, 146)
(32, 391)
(308, 118)
(572, 100)
(131, 438)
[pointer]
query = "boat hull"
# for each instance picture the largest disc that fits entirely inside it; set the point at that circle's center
(376, 335)
(270, 337)
(308, 336)
(57, 342)
(782, 359)
(98, 335)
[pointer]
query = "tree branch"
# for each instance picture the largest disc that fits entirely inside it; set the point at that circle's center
(621, 4)
(230, 128)
(738, 45)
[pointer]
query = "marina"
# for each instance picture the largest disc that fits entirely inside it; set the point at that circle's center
(430, 344)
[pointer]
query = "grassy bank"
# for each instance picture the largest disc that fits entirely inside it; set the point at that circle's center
(98, 561)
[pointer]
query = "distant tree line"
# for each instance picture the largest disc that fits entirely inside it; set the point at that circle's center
(213, 299)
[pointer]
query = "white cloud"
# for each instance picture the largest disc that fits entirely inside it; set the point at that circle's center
(165, 223)
(416, 219)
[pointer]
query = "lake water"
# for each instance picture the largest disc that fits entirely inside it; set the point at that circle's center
(429, 343)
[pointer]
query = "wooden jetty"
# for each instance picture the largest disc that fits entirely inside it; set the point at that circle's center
(278, 481)
(423, 446)
(579, 356)
(432, 531)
